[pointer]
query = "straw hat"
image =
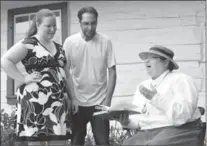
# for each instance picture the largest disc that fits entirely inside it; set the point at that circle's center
(161, 51)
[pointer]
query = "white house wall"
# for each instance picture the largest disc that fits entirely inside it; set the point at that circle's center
(134, 26)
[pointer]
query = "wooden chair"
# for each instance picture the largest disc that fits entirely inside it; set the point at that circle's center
(202, 141)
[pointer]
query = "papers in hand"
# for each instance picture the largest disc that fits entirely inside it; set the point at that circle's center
(115, 111)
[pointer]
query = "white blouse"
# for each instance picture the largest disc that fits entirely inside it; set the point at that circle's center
(174, 104)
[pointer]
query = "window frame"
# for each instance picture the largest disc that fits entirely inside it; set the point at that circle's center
(11, 97)
(28, 15)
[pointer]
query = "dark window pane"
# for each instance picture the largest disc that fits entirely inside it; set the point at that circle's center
(22, 19)
(57, 13)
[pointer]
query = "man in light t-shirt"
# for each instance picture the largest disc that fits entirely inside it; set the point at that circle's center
(89, 57)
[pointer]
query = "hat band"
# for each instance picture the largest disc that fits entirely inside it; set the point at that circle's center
(163, 52)
(160, 54)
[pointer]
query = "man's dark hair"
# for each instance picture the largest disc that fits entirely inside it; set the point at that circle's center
(91, 10)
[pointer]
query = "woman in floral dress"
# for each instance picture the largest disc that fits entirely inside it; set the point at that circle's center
(43, 105)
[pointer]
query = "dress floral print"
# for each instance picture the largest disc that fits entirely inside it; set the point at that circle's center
(43, 111)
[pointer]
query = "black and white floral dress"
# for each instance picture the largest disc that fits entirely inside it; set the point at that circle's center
(43, 111)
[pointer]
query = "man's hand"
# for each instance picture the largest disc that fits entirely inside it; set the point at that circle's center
(149, 94)
(74, 107)
(106, 102)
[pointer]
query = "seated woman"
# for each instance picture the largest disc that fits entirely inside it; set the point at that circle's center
(168, 104)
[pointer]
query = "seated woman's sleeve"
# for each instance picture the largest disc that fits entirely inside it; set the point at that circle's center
(180, 105)
(139, 100)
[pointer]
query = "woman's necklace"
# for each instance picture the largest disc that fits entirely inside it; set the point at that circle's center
(46, 45)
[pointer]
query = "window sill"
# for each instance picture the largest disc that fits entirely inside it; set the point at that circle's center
(11, 100)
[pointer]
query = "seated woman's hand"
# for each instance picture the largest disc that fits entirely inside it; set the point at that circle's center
(123, 118)
(148, 93)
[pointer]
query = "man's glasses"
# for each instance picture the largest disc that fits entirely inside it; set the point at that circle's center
(89, 23)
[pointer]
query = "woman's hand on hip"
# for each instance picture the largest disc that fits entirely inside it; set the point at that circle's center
(33, 77)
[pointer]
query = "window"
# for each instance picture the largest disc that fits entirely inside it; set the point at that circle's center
(23, 21)
(19, 21)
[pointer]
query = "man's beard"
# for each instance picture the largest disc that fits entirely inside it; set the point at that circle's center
(90, 34)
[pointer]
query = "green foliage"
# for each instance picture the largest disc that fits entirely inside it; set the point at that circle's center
(7, 128)
(116, 136)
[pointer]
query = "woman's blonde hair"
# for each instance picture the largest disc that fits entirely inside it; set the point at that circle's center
(38, 19)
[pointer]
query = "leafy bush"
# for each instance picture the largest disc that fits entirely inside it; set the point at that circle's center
(7, 128)
(116, 135)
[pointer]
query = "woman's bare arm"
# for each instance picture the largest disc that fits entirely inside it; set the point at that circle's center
(9, 60)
